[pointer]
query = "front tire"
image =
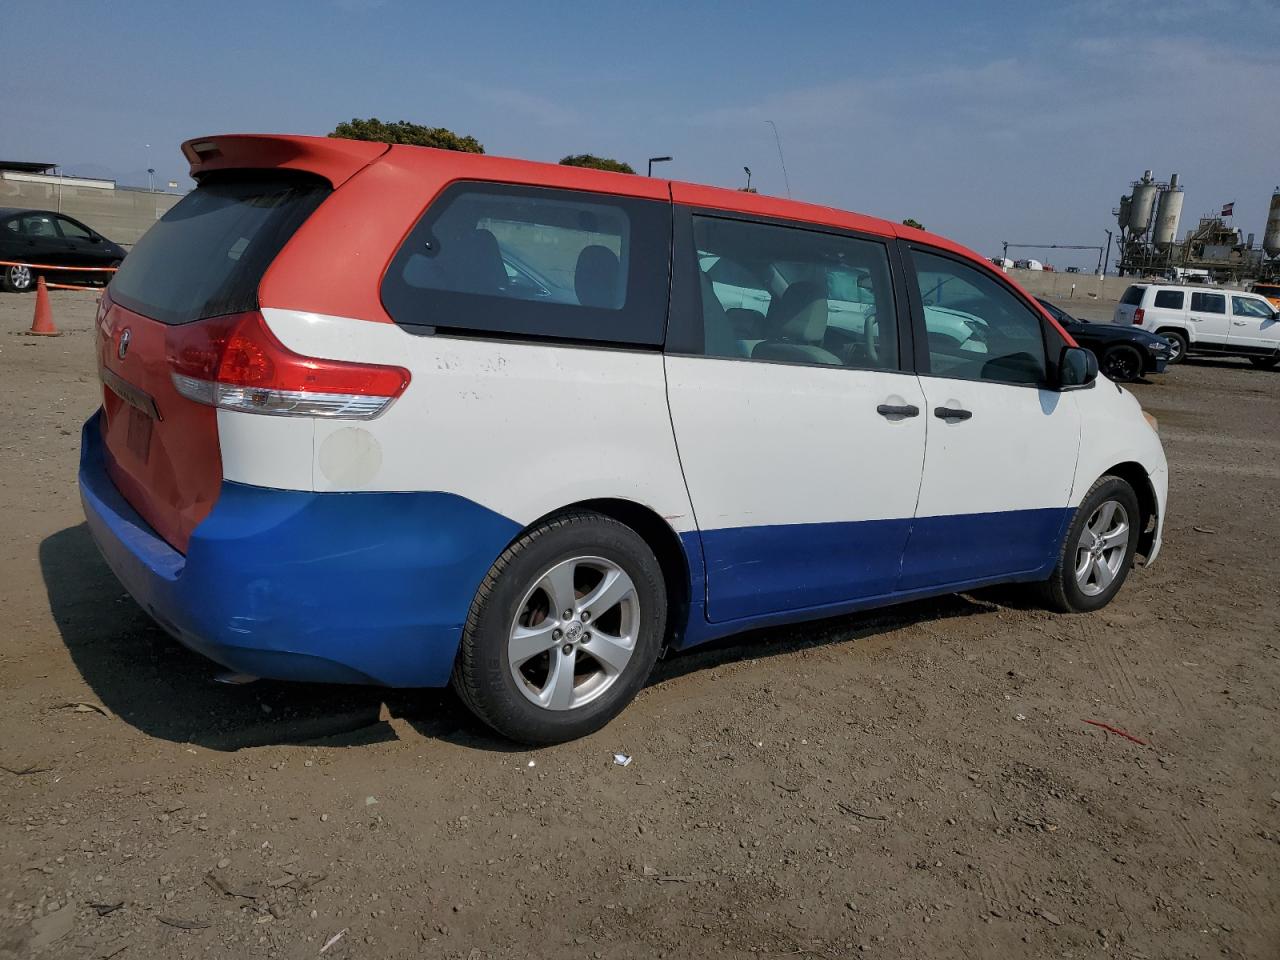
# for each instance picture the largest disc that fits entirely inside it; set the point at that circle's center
(564, 630)
(1098, 550)
(18, 279)
(1122, 364)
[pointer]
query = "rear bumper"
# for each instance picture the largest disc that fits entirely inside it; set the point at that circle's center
(328, 587)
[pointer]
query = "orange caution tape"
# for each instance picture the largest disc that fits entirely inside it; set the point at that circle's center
(55, 267)
(67, 286)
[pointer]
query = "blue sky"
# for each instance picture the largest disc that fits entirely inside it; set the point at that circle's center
(1011, 121)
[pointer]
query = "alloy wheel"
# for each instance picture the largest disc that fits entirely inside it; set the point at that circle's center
(574, 633)
(1102, 547)
(20, 277)
(1122, 364)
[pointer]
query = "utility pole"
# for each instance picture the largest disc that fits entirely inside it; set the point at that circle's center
(778, 140)
(1102, 264)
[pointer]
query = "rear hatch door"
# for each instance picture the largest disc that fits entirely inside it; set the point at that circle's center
(171, 301)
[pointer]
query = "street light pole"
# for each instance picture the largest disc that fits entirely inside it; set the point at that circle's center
(1102, 264)
(653, 160)
(778, 140)
(748, 187)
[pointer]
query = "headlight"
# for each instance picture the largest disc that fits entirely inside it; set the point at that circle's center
(1157, 348)
(1152, 422)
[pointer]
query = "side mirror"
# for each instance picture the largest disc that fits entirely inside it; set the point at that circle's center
(1078, 369)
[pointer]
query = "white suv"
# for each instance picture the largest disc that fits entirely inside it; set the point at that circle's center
(1206, 320)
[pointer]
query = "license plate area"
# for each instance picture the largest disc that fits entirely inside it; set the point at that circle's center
(140, 414)
(138, 427)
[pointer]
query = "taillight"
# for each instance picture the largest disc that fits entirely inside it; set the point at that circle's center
(237, 364)
(1138, 315)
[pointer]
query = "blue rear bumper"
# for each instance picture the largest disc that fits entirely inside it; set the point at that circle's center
(328, 587)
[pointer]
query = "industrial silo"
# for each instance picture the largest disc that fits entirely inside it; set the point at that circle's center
(1168, 213)
(1122, 217)
(1271, 236)
(1141, 204)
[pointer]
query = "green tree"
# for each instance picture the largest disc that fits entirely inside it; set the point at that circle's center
(912, 222)
(404, 132)
(597, 163)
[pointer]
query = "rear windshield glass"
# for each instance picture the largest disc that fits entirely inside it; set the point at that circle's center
(206, 256)
(1133, 296)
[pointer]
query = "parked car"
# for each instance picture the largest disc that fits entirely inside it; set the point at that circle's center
(42, 236)
(336, 444)
(1124, 353)
(1269, 290)
(1211, 322)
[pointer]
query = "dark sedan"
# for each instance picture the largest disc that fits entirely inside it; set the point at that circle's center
(1124, 353)
(45, 237)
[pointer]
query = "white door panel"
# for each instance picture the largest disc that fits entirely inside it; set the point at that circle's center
(1253, 325)
(1209, 326)
(803, 492)
(996, 485)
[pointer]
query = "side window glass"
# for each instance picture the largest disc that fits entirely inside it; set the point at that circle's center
(1169, 299)
(1209, 302)
(789, 295)
(1249, 307)
(39, 225)
(71, 229)
(536, 261)
(976, 328)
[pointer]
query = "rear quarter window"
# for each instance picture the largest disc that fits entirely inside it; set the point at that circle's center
(1132, 296)
(1169, 299)
(206, 256)
(537, 262)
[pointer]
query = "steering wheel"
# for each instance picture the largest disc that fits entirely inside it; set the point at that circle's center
(870, 341)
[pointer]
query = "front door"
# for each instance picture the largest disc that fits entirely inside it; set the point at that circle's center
(800, 438)
(1208, 316)
(1254, 325)
(1001, 447)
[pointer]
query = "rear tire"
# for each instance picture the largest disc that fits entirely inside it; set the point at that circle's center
(1265, 363)
(1178, 345)
(564, 630)
(18, 279)
(1122, 364)
(1097, 552)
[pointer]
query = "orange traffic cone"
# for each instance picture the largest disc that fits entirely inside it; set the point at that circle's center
(42, 322)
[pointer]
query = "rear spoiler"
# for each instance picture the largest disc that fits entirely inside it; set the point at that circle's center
(333, 159)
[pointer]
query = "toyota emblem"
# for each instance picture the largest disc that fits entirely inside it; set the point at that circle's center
(124, 343)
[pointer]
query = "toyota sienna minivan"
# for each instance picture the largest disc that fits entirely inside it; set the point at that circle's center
(393, 415)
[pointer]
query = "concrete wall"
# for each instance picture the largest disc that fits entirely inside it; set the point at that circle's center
(119, 215)
(1057, 286)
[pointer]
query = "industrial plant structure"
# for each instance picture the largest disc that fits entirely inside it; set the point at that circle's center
(1149, 216)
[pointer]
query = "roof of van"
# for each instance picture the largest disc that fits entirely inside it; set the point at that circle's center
(337, 160)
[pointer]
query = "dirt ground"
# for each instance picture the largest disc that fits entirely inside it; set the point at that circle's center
(916, 783)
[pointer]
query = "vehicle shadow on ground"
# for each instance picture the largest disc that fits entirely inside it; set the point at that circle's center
(156, 685)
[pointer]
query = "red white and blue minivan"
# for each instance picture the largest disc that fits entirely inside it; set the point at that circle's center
(392, 415)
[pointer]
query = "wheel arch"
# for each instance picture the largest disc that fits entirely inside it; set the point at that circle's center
(1135, 474)
(666, 544)
(1182, 329)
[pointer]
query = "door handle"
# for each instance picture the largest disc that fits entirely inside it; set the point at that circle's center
(905, 410)
(952, 413)
(1238, 323)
